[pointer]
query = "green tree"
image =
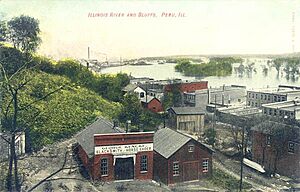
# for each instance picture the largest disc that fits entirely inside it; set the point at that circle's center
(22, 32)
(131, 109)
(210, 136)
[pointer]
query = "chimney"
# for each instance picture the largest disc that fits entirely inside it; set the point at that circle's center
(208, 96)
(223, 99)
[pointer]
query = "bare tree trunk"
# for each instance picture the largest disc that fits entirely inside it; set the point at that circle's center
(14, 155)
(10, 166)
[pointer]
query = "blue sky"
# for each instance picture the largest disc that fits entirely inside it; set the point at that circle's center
(209, 27)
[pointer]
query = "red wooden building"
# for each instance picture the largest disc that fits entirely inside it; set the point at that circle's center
(110, 154)
(187, 86)
(152, 103)
(179, 158)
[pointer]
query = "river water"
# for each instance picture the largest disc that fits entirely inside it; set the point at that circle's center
(256, 79)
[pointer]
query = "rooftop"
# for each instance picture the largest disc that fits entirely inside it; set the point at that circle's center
(86, 137)
(129, 87)
(276, 90)
(147, 99)
(285, 105)
(168, 141)
(187, 110)
(240, 111)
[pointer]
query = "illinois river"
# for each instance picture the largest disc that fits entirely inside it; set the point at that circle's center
(256, 79)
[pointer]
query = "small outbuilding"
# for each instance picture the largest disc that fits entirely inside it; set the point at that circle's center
(188, 119)
(179, 158)
(151, 103)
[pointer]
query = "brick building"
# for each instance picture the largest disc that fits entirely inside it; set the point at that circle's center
(110, 154)
(277, 151)
(187, 86)
(179, 158)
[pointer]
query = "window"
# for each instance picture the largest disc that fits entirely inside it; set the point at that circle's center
(205, 165)
(268, 140)
(249, 103)
(256, 96)
(142, 94)
(261, 96)
(253, 95)
(191, 148)
(144, 163)
(175, 168)
(104, 167)
(291, 147)
(265, 97)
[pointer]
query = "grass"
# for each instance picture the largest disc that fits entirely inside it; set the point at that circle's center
(223, 180)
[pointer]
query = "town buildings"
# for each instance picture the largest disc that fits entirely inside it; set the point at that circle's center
(108, 153)
(219, 97)
(188, 119)
(179, 158)
(276, 146)
(258, 97)
(285, 110)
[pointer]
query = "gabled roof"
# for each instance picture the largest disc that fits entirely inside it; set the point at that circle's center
(130, 87)
(167, 142)
(86, 137)
(149, 99)
(187, 110)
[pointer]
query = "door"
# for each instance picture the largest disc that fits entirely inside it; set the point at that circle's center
(190, 170)
(124, 168)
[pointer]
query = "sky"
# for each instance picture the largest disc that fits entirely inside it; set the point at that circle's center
(69, 27)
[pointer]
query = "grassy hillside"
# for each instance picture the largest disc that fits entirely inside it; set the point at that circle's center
(81, 96)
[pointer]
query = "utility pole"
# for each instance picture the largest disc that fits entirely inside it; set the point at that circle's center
(293, 32)
(242, 156)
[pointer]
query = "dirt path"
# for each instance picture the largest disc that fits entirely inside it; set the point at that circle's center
(259, 182)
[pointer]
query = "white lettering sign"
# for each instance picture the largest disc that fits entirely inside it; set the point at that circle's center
(123, 149)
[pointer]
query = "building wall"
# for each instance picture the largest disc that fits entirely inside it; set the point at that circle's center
(155, 106)
(184, 158)
(140, 92)
(220, 97)
(280, 113)
(160, 168)
(84, 159)
(193, 86)
(256, 99)
(189, 86)
(190, 123)
(111, 174)
(288, 163)
(123, 139)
